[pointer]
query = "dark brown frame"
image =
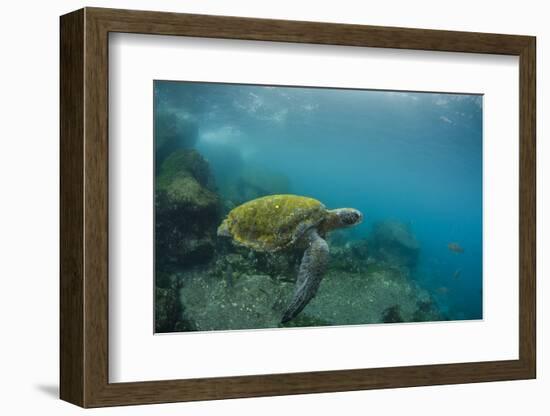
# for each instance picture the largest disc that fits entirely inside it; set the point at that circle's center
(84, 208)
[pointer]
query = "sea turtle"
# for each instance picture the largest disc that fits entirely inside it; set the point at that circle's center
(275, 222)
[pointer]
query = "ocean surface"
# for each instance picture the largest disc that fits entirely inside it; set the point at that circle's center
(410, 158)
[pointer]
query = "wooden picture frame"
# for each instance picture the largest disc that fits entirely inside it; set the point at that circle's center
(84, 207)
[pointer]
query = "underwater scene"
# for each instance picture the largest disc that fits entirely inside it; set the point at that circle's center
(287, 206)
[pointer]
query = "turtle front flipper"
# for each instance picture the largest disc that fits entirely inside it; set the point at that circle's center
(312, 269)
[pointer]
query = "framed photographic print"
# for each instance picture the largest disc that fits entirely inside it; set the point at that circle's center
(255, 207)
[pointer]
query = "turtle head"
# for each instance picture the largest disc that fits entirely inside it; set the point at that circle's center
(345, 217)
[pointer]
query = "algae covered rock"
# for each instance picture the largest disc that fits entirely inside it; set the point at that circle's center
(241, 261)
(353, 256)
(394, 243)
(392, 315)
(380, 295)
(252, 302)
(186, 211)
(251, 299)
(182, 191)
(169, 312)
(172, 132)
(167, 309)
(185, 163)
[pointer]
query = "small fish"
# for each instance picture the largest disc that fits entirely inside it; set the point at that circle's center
(457, 273)
(455, 248)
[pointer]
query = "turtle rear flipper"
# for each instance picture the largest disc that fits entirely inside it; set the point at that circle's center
(312, 269)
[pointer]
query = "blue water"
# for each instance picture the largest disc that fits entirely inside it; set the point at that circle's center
(413, 157)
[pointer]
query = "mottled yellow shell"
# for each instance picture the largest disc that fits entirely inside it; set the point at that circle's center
(273, 222)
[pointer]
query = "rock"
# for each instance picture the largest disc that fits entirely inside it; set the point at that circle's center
(394, 243)
(172, 132)
(187, 212)
(359, 249)
(244, 289)
(232, 265)
(183, 191)
(242, 261)
(305, 320)
(186, 163)
(427, 310)
(250, 298)
(353, 256)
(253, 301)
(381, 294)
(169, 311)
(163, 280)
(282, 264)
(392, 315)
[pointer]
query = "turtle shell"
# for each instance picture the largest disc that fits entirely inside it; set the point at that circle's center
(273, 222)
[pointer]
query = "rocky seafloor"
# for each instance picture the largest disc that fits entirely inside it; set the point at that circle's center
(203, 283)
(248, 291)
